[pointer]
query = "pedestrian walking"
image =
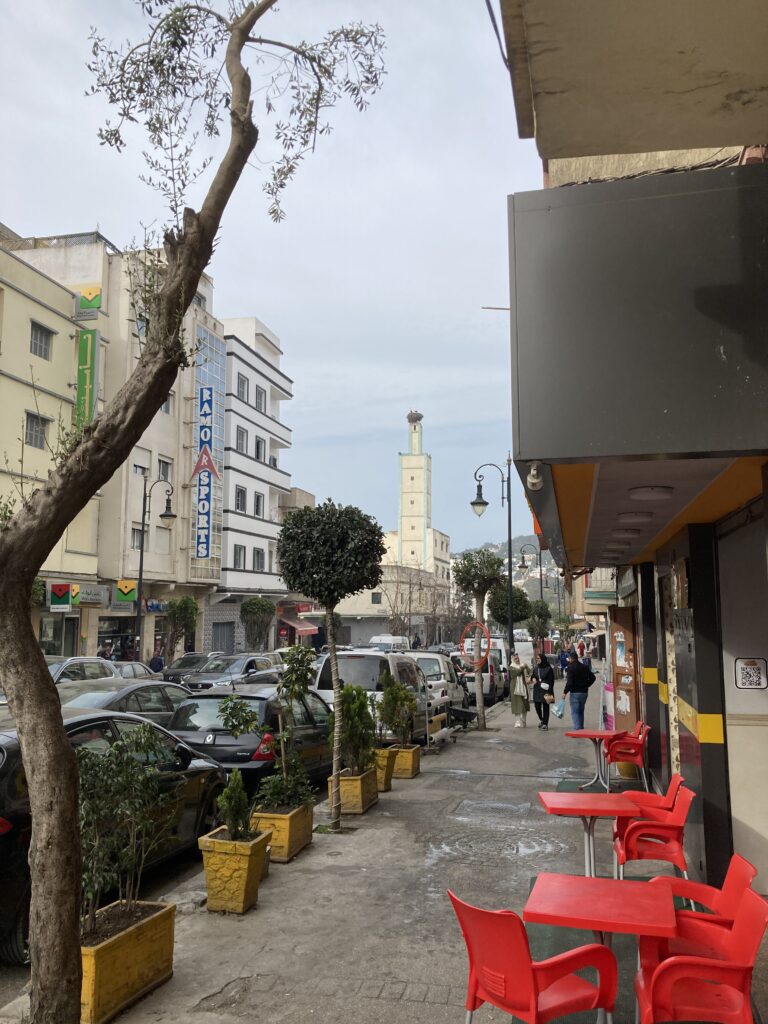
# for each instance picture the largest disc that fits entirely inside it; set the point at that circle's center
(518, 693)
(578, 679)
(543, 690)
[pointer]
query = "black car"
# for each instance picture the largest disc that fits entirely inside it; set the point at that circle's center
(151, 698)
(231, 669)
(195, 779)
(197, 722)
(185, 664)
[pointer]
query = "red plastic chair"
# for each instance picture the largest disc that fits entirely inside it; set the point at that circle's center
(502, 973)
(714, 988)
(660, 839)
(650, 805)
(695, 935)
(630, 749)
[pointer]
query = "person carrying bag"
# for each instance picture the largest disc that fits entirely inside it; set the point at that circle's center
(543, 690)
(518, 695)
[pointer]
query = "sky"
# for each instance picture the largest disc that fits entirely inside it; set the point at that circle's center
(395, 237)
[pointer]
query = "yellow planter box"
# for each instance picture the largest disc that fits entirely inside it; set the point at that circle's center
(233, 870)
(408, 762)
(290, 832)
(385, 766)
(357, 792)
(127, 966)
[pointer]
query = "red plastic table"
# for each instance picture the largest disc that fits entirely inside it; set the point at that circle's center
(589, 807)
(597, 736)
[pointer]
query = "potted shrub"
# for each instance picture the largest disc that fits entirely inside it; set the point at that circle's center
(381, 711)
(285, 800)
(233, 855)
(357, 783)
(397, 713)
(127, 946)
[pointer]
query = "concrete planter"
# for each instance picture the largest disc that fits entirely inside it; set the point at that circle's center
(290, 832)
(125, 967)
(233, 870)
(385, 766)
(408, 762)
(357, 792)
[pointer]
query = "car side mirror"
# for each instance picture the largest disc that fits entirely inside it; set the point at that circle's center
(183, 755)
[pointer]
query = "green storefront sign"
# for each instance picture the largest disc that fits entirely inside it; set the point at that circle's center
(87, 367)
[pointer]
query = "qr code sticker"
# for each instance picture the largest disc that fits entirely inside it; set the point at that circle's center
(751, 674)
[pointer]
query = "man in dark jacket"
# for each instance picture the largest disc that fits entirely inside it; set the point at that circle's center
(578, 679)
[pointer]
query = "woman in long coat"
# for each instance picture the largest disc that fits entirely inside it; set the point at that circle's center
(543, 686)
(518, 691)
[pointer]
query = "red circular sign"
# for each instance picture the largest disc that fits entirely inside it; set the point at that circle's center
(475, 624)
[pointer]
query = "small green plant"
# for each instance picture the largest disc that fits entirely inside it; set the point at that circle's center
(234, 807)
(124, 818)
(281, 793)
(396, 710)
(358, 730)
(382, 705)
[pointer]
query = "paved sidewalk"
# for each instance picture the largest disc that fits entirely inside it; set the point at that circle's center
(359, 926)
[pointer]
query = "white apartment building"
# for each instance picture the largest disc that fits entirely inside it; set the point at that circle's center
(255, 484)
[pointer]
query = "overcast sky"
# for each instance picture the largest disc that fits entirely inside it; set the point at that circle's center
(395, 238)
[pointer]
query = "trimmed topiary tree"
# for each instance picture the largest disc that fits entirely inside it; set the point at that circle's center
(256, 615)
(328, 553)
(476, 572)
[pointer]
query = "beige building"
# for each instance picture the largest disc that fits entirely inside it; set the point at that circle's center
(39, 341)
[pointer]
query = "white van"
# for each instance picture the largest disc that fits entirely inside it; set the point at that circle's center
(498, 643)
(389, 642)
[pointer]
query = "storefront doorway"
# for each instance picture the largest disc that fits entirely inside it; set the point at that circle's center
(59, 634)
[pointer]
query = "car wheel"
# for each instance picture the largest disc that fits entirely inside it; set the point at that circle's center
(210, 818)
(14, 947)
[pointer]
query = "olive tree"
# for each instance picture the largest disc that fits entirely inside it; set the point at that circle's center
(184, 84)
(476, 572)
(538, 621)
(256, 615)
(328, 553)
(180, 620)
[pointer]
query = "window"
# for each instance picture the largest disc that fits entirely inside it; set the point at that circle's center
(223, 636)
(165, 470)
(136, 538)
(376, 597)
(167, 406)
(239, 556)
(241, 497)
(241, 440)
(151, 699)
(261, 399)
(300, 714)
(175, 695)
(199, 300)
(318, 709)
(258, 560)
(36, 431)
(258, 505)
(40, 341)
(96, 737)
(260, 449)
(242, 387)
(95, 670)
(138, 469)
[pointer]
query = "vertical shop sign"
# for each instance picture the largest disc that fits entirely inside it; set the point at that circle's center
(87, 359)
(204, 470)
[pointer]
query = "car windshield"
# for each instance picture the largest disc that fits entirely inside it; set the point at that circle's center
(199, 715)
(361, 671)
(431, 667)
(87, 693)
(230, 665)
(189, 661)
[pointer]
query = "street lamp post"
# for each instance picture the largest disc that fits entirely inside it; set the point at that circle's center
(167, 514)
(479, 505)
(524, 565)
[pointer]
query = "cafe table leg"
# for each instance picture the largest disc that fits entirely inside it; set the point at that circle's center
(591, 839)
(587, 824)
(598, 776)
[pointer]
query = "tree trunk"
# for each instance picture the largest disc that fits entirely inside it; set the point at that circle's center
(52, 782)
(479, 696)
(330, 629)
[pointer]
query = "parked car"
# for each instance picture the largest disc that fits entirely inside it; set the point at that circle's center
(136, 670)
(389, 642)
(366, 667)
(197, 721)
(231, 669)
(441, 676)
(185, 664)
(276, 657)
(152, 699)
(62, 668)
(494, 679)
(194, 779)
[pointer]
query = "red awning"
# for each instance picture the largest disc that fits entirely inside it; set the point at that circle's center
(302, 628)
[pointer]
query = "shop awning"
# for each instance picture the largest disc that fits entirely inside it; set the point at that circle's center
(302, 628)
